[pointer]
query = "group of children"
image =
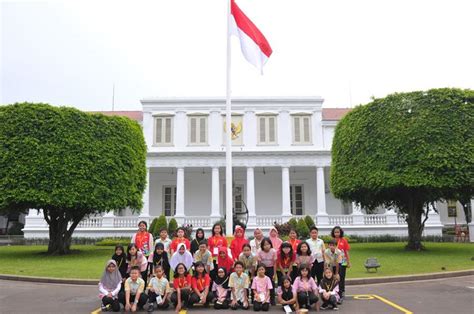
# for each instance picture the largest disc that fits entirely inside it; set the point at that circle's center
(298, 274)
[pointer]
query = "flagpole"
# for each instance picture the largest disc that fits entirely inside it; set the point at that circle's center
(228, 146)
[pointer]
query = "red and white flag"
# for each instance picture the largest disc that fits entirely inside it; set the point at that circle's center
(253, 44)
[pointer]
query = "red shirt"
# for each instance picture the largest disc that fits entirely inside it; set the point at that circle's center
(201, 283)
(343, 245)
(176, 241)
(286, 262)
(216, 242)
(182, 282)
(294, 244)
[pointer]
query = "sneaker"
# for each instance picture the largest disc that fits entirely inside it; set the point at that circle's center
(150, 307)
(340, 300)
(335, 308)
(324, 307)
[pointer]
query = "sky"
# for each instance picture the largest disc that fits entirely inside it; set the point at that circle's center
(346, 51)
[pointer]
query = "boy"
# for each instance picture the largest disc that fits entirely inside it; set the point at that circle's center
(158, 290)
(333, 258)
(165, 240)
(239, 283)
(317, 251)
(204, 255)
(133, 297)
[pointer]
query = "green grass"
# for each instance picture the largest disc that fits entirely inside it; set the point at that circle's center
(88, 261)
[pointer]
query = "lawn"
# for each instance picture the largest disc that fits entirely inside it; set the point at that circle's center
(88, 261)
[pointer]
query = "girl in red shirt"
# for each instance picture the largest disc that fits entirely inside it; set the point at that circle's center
(179, 239)
(216, 241)
(285, 260)
(182, 286)
(200, 284)
(338, 234)
(238, 242)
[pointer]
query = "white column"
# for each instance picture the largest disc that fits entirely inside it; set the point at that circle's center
(215, 198)
(357, 215)
(433, 216)
(471, 224)
(322, 214)
(251, 196)
(179, 195)
(285, 192)
(146, 196)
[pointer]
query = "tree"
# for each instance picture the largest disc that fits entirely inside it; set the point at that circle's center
(172, 226)
(160, 224)
(302, 229)
(407, 151)
(69, 164)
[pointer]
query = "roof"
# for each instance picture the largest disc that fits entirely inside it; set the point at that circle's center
(134, 115)
(334, 114)
(329, 114)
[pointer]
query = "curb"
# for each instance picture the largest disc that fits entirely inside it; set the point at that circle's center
(349, 282)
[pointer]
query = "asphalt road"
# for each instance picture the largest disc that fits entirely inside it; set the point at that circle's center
(434, 296)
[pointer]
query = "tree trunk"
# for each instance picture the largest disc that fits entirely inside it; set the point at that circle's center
(59, 235)
(415, 228)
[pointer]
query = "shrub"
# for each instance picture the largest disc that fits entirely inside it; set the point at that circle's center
(302, 229)
(151, 229)
(161, 223)
(172, 226)
(283, 229)
(309, 221)
(293, 223)
(16, 228)
(113, 241)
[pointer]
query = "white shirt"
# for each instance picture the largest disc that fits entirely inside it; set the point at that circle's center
(316, 247)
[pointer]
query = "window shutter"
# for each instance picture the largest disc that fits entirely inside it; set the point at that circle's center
(193, 130)
(297, 129)
(159, 126)
(262, 130)
(202, 130)
(271, 129)
(168, 130)
(306, 129)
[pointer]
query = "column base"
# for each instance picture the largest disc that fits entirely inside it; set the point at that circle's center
(252, 222)
(322, 219)
(392, 217)
(471, 231)
(179, 219)
(358, 218)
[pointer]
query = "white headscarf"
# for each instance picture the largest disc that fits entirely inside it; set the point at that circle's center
(177, 258)
(110, 280)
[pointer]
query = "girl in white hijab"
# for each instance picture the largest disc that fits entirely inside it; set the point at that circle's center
(109, 286)
(181, 256)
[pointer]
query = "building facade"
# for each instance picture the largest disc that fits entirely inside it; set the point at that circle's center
(281, 151)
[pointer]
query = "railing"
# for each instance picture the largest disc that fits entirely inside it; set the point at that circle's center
(126, 222)
(198, 221)
(92, 222)
(340, 220)
(375, 220)
(268, 220)
(401, 220)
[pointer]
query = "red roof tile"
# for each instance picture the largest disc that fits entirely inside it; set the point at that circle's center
(134, 115)
(334, 114)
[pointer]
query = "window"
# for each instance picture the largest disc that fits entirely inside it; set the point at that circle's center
(267, 130)
(302, 129)
(238, 193)
(296, 199)
(197, 130)
(169, 200)
(164, 130)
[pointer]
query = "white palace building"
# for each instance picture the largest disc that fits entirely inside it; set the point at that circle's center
(281, 159)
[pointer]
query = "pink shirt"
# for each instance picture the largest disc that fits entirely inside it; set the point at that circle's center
(262, 285)
(267, 258)
(304, 285)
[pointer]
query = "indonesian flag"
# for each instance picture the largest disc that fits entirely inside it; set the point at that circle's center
(253, 44)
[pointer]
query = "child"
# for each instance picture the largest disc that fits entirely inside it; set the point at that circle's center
(293, 239)
(182, 286)
(204, 255)
(223, 260)
(165, 240)
(317, 249)
(143, 239)
(220, 287)
(329, 290)
(249, 260)
(201, 285)
(121, 259)
(197, 240)
(239, 283)
(255, 244)
(268, 257)
(109, 287)
(178, 240)
(261, 287)
(136, 258)
(181, 256)
(158, 289)
(238, 242)
(159, 258)
(215, 242)
(338, 234)
(285, 259)
(133, 297)
(276, 241)
(305, 288)
(333, 258)
(286, 295)
(303, 256)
